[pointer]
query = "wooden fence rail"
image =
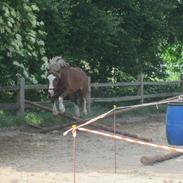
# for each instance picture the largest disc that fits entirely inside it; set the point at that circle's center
(21, 88)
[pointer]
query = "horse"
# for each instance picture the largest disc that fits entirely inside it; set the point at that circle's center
(67, 81)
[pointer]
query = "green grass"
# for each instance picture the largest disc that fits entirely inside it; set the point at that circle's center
(8, 119)
(42, 118)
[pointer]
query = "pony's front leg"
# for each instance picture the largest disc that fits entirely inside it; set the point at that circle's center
(77, 110)
(54, 110)
(61, 105)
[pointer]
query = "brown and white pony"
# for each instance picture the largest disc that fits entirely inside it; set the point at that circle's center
(67, 81)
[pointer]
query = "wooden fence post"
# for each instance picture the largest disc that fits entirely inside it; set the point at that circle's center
(89, 95)
(141, 87)
(20, 96)
(181, 82)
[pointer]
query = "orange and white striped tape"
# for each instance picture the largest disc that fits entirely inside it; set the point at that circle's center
(135, 141)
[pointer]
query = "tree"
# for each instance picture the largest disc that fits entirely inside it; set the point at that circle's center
(21, 41)
(102, 36)
(172, 47)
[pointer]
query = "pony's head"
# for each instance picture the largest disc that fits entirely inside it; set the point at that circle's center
(53, 85)
(54, 73)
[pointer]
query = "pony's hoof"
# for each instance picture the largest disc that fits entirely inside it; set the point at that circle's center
(85, 113)
(77, 116)
(55, 113)
(62, 110)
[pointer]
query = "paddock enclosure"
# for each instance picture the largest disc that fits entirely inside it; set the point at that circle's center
(28, 156)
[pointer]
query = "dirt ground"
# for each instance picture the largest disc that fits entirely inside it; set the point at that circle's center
(29, 157)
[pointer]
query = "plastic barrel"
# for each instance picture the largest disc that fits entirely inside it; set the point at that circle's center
(174, 123)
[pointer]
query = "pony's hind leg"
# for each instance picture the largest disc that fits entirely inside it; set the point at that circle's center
(85, 106)
(83, 101)
(74, 99)
(61, 105)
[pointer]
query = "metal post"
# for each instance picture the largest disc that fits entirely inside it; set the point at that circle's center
(114, 126)
(74, 128)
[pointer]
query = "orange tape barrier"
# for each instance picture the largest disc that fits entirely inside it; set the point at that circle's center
(135, 141)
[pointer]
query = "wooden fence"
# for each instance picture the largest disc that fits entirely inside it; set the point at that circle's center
(21, 88)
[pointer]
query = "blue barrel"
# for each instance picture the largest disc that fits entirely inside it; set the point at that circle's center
(174, 123)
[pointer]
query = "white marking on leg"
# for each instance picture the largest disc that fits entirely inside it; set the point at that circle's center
(61, 105)
(77, 111)
(55, 111)
(84, 107)
(51, 78)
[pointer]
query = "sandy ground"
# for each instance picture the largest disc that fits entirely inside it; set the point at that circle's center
(27, 157)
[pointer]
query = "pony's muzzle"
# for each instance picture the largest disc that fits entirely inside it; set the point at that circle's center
(50, 93)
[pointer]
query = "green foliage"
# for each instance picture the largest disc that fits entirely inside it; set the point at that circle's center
(112, 40)
(21, 41)
(172, 46)
(56, 16)
(7, 119)
(102, 36)
(173, 57)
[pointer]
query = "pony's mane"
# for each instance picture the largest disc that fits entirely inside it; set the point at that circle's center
(57, 62)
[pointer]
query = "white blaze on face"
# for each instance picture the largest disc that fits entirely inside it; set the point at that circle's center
(51, 78)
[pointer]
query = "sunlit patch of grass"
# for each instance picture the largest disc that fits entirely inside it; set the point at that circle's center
(33, 118)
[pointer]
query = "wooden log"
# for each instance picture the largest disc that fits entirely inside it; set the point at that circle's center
(80, 121)
(58, 127)
(46, 130)
(50, 110)
(110, 129)
(98, 126)
(34, 126)
(145, 160)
